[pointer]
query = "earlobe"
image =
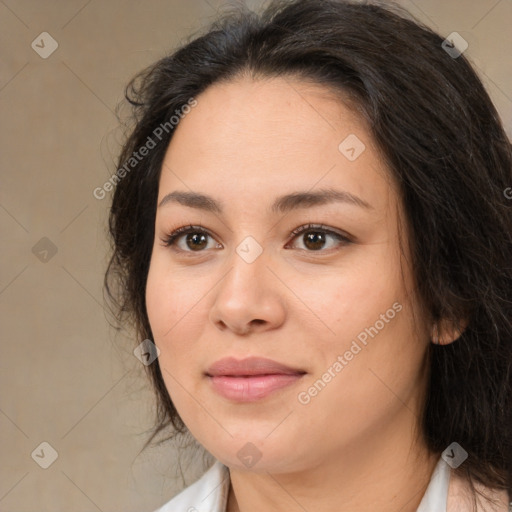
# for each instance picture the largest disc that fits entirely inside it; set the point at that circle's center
(444, 333)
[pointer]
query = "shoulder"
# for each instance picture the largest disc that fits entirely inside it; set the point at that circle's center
(460, 498)
(208, 494)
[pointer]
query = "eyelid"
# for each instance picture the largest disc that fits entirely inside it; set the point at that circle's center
(322, 228)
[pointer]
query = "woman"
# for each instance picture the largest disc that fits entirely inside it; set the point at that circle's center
(310, 223)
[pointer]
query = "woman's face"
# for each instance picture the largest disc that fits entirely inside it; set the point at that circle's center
(330, 303)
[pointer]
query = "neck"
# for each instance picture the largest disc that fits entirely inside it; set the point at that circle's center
(365, 477)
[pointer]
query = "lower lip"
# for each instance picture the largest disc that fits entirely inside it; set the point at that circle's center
(252, 388)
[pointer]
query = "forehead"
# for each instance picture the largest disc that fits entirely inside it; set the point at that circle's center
(254, 139)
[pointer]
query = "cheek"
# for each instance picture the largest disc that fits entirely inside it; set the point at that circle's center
(166, 304)
(356, 299)
(176, 308)
(161, 310)
(170, 298)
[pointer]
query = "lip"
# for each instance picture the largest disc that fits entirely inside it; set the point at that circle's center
(232, 367)
(250, 379)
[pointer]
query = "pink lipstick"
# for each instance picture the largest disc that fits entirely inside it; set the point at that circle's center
(250, 379)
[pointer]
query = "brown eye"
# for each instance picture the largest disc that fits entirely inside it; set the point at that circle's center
(195, 239)
(315, 238)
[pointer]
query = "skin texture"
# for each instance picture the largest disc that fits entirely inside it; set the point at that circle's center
(355, 445)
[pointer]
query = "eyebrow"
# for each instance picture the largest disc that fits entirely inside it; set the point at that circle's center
(282, 204)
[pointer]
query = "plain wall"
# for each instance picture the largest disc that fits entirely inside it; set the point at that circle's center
(65, 378)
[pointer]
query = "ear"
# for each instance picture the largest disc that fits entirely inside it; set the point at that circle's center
(448, 332)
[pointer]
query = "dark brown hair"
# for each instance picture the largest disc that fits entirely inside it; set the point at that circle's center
(445, 146)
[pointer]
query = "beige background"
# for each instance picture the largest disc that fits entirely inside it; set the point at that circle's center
(65, 378)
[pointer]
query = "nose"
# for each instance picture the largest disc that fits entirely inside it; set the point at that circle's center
(249, 297)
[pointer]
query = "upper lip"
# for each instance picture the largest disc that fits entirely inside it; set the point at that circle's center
(250, 366)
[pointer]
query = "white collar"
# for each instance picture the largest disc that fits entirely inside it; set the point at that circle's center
(436, 495)
(210, 492)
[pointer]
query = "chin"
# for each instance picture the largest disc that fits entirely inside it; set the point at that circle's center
(257, 454)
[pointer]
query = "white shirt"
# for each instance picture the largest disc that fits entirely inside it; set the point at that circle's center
(210, 492)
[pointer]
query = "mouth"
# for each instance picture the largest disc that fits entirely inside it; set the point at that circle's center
(251, 379)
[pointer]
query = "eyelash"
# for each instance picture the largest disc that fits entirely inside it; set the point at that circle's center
(170, 240)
